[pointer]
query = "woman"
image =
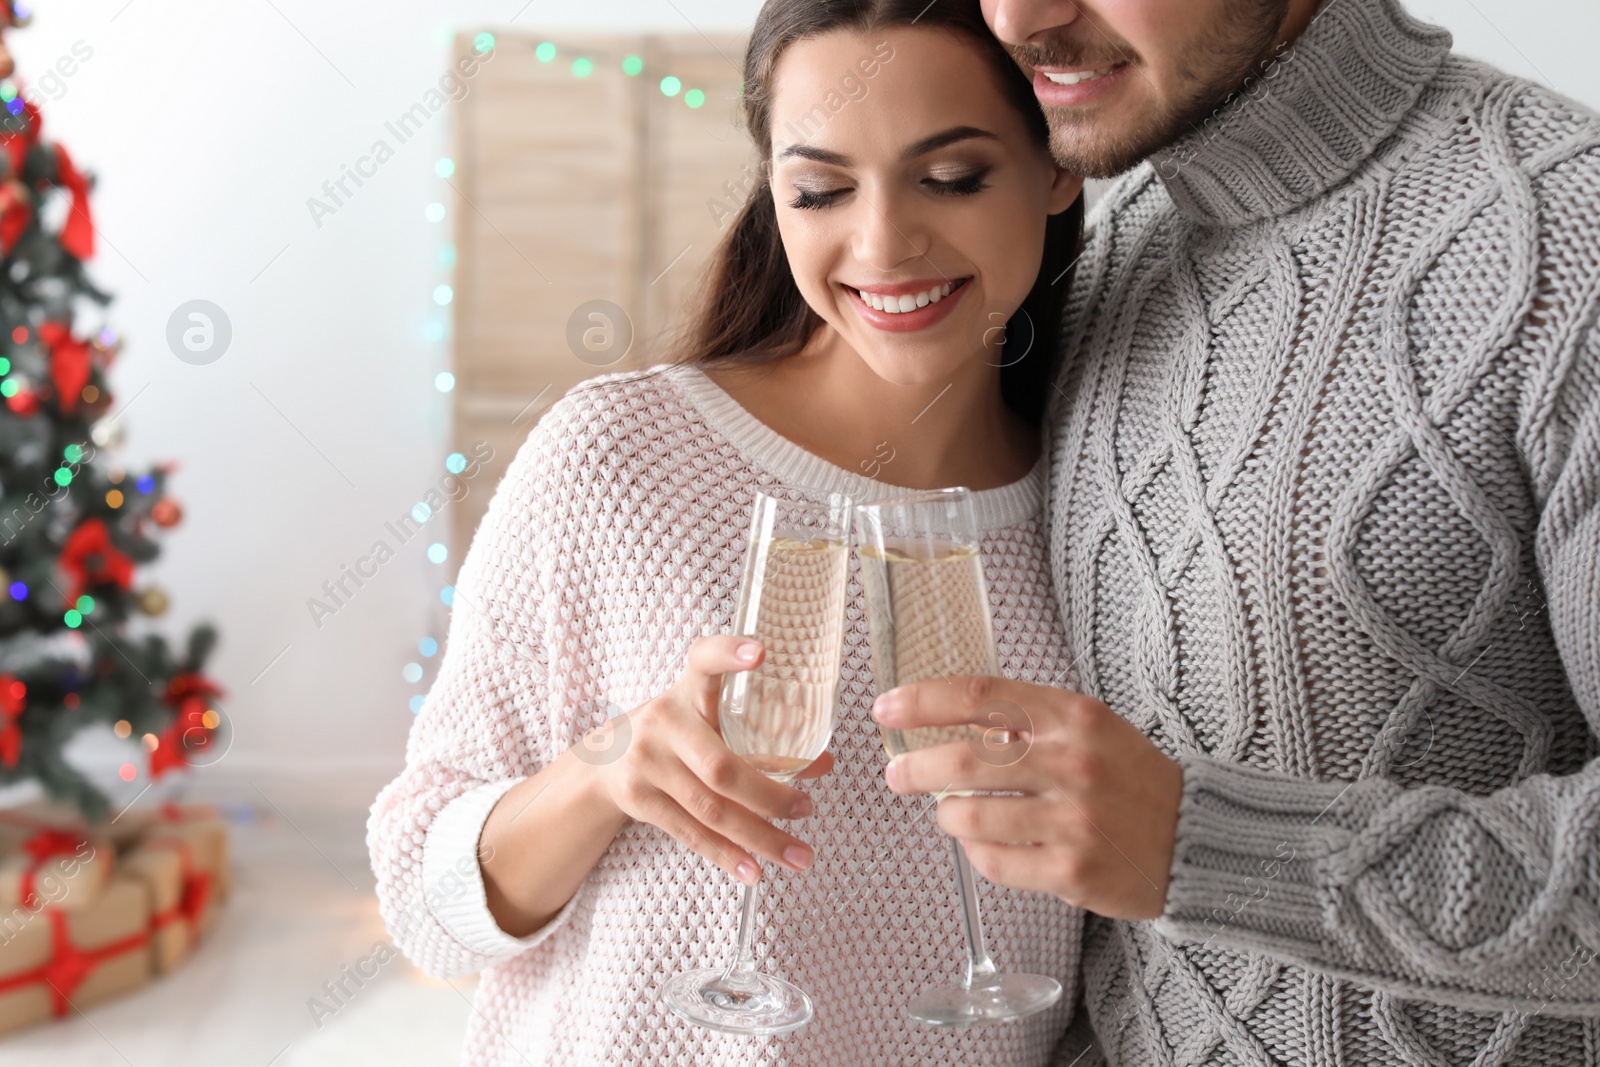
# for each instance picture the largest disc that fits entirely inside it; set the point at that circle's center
(850, 338)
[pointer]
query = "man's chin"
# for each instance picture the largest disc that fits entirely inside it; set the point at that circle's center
(1089, 149)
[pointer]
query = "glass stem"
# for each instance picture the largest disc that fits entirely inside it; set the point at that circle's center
(741, 972)
(981, 970)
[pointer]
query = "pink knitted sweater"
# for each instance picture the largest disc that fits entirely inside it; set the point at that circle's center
(613, 541)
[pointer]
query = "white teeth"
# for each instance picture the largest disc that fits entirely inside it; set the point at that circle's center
(896, 305)
(1075, 77)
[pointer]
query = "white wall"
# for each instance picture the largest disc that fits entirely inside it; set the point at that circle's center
(209, 126)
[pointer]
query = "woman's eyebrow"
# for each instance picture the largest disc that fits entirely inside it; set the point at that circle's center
(911, 151)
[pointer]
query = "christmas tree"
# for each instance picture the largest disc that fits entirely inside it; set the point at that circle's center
(73, 526)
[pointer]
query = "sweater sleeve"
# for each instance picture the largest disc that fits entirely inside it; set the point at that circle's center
(484, 726)
(1488, 903)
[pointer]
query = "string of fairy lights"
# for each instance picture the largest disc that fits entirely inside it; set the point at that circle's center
(582, 64)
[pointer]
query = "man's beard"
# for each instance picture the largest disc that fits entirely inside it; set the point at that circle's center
(1210, 69)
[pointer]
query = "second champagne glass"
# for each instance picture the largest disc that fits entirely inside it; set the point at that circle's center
(779, 716)
(928, 617)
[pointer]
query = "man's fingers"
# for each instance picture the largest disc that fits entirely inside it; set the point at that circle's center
(1027, 820)
(963, 765)
(1024, 867)
(709, 659)
(979, 700)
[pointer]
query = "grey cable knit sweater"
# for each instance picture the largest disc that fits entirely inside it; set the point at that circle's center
(1325, 495)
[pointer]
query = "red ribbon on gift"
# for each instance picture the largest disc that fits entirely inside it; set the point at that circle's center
(92, 541)
(40, 848)
(13, 698)
(69, 965)
(69, 361)
(77, 233)
(196, 886)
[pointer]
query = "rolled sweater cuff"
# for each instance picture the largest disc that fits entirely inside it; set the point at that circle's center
(454, 881)
(1250, 866)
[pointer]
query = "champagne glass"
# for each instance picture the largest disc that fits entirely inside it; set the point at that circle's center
(928, 617)
(778, 716)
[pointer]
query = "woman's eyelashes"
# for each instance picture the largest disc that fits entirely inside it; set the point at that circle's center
(963, 186)
(966, 185)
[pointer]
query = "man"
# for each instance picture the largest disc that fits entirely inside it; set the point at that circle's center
(1325, 506)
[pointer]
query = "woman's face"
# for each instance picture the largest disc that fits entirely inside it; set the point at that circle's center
(903, 178)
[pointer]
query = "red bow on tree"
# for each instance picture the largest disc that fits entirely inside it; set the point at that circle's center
(89, 558)
(69, 360)
(13, 698)
(16, 211)
(190, 694)
(77, 233)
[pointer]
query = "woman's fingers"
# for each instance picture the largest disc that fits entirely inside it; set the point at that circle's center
(660, 809)
(818, 767)
(731, 821)
(709, 659)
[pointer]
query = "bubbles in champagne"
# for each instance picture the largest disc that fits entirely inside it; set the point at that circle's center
(779, 715)
(928, 612)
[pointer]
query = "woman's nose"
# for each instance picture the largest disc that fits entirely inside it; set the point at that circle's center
(888, 233)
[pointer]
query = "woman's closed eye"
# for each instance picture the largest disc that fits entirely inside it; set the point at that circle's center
(965, 185)
(816, 198)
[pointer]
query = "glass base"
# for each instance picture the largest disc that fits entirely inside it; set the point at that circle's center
(752, 1003)
(1007, 997)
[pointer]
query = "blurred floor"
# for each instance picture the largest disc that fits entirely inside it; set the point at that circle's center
(301, 910)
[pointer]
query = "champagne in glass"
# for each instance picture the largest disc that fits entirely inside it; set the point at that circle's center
(779, 716)
(928, 618)
(929, 596)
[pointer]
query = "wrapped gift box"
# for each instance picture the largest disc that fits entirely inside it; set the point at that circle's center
(50, 858)
(61, 958)
(172, 928)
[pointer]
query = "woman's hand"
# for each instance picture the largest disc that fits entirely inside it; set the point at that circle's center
(674, 770)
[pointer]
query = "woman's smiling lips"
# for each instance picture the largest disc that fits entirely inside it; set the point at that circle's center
(925, 302)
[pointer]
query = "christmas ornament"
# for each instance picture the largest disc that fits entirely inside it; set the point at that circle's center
(108, 433)
(13, 698)
(166, 512)
(152, 601)
(89, 558)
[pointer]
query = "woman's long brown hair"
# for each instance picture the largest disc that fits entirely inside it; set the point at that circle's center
(750, 310)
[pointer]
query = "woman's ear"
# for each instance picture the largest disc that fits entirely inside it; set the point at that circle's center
(1064, 190)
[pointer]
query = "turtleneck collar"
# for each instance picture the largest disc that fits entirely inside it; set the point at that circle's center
(1310, 119)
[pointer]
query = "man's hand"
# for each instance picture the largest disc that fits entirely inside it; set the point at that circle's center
(1098, 813)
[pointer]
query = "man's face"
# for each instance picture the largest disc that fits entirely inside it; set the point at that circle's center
(1120, 79)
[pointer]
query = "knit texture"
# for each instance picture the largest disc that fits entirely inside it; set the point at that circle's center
(1324, 525)
(615, 538)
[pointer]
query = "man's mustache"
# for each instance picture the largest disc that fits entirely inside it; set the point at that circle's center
(1062, 52)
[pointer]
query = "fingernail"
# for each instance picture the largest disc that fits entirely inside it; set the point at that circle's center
(797, 857)
(748, 874)
(891, 774)
(747, 652)
(885, 705)
(800, 808)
